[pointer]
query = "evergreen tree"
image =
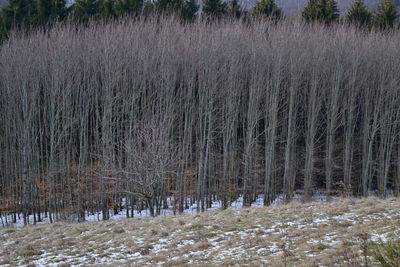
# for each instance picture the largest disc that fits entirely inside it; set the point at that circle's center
(83, 10)
(3, 31)
(44, 8)
(169, 6)
(234, 9)
(312, 11)
(359, 14)
(267, 8)
(108, 8)
(50, 10)
(323, 11)
(215, 8)
(148, 8)
(131, 7)
(385, 14)
(18, 13)
(189, 10)
(59, 9)
(332, 11)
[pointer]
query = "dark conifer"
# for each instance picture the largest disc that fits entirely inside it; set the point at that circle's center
(323, 11)
(108, 8)
(235, 9)
(83, 10)
(215, 8)
(131, 7)
(189, 10)
(267, 8)
(359, 14)
(385, 15)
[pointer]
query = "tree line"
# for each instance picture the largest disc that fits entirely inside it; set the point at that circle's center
(134, 113)
(28, 14)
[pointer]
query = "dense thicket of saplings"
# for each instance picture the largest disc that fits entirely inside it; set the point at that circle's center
(130, 113)
(31, 14)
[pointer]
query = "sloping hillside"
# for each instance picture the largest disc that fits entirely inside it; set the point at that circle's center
(329, 234)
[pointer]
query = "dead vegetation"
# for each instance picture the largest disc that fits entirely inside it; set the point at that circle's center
(342, 233)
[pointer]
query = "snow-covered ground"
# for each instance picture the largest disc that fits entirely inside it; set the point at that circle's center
(319, 196)
(320, 233)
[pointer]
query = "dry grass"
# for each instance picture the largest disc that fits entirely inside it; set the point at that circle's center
(328, 234)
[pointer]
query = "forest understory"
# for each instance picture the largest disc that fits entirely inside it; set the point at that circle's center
(340, 233)
(169, 208)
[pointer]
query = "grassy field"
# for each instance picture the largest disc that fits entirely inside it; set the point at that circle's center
(339, 233)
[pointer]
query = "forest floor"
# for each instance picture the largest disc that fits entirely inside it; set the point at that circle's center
(339, 233)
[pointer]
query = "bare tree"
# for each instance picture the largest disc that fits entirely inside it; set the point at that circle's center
(150, 160)
(259, 108)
